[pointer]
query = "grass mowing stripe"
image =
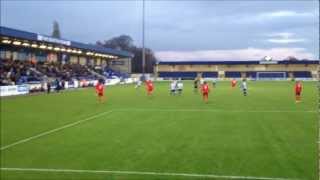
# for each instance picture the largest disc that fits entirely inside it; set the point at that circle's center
(54, 130)
(144, 173)
(214, 110)
(138, 109)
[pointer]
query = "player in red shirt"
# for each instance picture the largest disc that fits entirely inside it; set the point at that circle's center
(205, 91)
(298, 91)
(150, 87)
(100, 90)
(233, 83)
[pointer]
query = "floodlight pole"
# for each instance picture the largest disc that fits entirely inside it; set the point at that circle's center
(318, 74)
(143, 48)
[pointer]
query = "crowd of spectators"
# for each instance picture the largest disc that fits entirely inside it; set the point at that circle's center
(65, 72)
(17, 72)
(108, 72)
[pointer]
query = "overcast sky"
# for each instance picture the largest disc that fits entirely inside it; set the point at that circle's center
(181, 30)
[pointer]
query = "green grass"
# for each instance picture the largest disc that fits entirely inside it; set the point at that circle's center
(265, 134)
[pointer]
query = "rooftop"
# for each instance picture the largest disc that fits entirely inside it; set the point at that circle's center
(24, 35)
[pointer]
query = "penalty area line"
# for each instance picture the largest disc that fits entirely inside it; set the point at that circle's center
(213, 176)
(54, 130)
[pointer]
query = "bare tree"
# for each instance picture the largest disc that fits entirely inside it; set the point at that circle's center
(292, 58)
(125, 42)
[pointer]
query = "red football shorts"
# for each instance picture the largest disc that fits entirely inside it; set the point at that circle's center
(298, 93)
(100, 94)
(205, 94)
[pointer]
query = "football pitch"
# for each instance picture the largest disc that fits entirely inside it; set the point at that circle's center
(265, 135)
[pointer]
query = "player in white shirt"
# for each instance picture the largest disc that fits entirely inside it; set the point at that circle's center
(214, 82)
(173, 86)
(201, 81)
(180, 87)
(244, 87)
(139, 82)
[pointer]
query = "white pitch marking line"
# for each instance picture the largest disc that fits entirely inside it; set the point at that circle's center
(54, 130)
(214, 110)
(144, 173)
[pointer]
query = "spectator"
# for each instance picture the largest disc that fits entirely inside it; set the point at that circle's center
(57, 85)
(48, 87)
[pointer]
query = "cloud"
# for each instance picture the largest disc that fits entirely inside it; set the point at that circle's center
(281, 34)
(267, 16)
(284, 38)
(286, 13)
(234, 54)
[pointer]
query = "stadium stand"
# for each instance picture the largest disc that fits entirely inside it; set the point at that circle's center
(108, 72)
(17, 72)
(302, 74)
(31, 61)
(20, 72)
(232, 74)
(183, 75)
(210, 74)
(271, 70)
(251, 74)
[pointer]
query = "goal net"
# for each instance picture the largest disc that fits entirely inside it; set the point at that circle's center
(271, 76)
